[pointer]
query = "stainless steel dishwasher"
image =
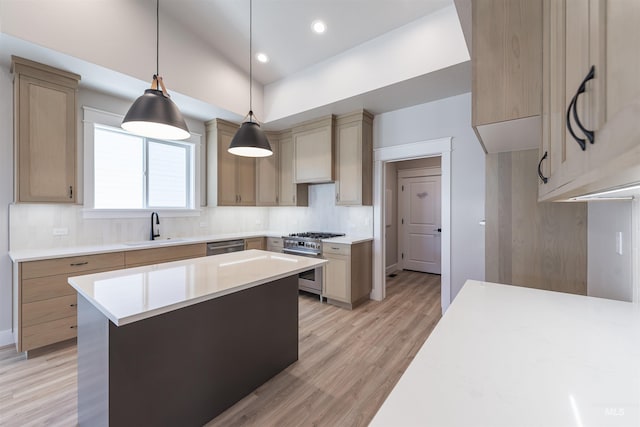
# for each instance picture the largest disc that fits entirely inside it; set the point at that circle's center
(217, 248)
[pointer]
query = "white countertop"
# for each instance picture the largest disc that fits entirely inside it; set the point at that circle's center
(40, 254)
(126, 296)
(348, 240)
(510, 356)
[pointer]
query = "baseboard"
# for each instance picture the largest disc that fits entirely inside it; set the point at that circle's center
(390, 269)
(6, 338)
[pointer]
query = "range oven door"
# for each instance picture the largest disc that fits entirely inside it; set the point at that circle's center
(310, 280)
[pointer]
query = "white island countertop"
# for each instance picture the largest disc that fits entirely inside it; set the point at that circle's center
(510, 356)
(126, 296)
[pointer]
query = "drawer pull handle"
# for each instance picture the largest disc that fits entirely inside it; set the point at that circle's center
(73, 305)
(73, 327)
(76, 264)
(335, 249)
(542, 177)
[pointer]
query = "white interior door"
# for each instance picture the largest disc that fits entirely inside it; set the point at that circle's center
(419, 204)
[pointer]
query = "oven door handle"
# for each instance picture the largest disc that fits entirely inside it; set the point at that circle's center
(294, 252)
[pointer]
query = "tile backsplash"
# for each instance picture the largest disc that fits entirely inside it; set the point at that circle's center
(32, 226)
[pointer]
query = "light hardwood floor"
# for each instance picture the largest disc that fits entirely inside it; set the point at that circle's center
(348, 363)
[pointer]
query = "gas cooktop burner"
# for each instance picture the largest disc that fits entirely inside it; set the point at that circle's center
(316, 235)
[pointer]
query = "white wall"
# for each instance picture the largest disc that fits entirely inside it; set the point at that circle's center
(391, 230)
(609, 274)
(323, 215)
(428, 44)
(443, 118)
(6, 196)
(120, 35)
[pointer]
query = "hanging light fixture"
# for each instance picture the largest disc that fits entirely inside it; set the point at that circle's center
(250, 140)
(154, 114)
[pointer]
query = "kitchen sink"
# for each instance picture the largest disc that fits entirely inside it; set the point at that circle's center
(154, 242)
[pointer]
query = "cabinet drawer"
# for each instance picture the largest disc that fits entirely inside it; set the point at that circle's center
(41, 288)
(336, 248)
(48, 333)
(48, 310)
(274, 242)
(71, 265)
(171, 253)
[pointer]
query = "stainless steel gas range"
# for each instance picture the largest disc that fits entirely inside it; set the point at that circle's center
(308, 244)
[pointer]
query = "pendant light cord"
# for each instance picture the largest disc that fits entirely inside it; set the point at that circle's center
(157, 37)
(250, 61)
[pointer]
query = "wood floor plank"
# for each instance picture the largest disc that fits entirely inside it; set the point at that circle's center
(349, 361)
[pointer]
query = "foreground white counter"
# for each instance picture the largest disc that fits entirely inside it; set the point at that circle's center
(126, 296)
(510, 356)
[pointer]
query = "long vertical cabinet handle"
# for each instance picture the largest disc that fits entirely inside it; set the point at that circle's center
(542, 177)
(580, 141)
(588, 133)
(573, 108)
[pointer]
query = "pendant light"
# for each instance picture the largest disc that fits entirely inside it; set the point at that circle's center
(250, 140)
(154, 114)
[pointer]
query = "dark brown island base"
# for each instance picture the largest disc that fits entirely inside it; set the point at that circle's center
(184, 366)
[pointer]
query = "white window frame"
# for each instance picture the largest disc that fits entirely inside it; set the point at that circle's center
(96, 118)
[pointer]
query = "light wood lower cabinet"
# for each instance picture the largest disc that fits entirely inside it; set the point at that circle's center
(46, 305)
(348, 274)
(142, 257)
(255, 243)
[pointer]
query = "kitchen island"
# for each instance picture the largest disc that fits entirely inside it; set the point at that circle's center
(178, 343)
(510, 356)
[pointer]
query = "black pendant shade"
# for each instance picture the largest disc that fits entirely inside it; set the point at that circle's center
(155, 116)
(250, 141)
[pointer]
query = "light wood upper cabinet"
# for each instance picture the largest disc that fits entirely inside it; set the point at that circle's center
(236, 175)
(603, 150)
(313, 151)
(45, 132)
(291, 194)
(354, 159)
(507, 73)
(268, 175)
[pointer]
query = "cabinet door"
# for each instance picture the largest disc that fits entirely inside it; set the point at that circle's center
(255, 243)
(246, 180)
(268, 177)
(290, 193)
(227, 187)
(313, 155)
(46, 132)
(616, 38)
(337, 275)
(566, 62)
(349, 164)
(506, 60)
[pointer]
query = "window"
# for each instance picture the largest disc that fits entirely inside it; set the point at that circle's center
(133, 172)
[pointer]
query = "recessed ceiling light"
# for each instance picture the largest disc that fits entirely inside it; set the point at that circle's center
(318, 26)
(262, 57)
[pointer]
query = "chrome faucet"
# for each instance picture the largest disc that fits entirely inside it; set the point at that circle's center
(155, 233)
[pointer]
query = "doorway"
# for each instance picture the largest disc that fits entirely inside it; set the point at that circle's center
(431, 148)
(419, 220)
